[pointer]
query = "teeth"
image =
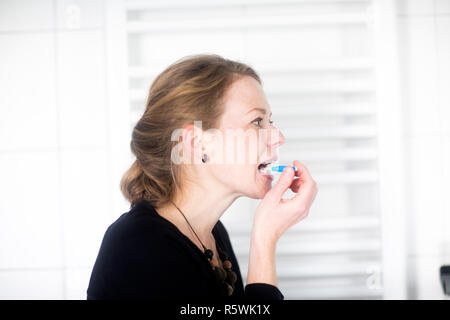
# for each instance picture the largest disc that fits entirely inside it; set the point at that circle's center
(263, 165)
(264, 168)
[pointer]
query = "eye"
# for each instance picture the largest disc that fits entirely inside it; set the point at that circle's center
(258, 120)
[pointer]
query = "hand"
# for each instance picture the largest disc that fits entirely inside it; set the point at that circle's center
(274, 215)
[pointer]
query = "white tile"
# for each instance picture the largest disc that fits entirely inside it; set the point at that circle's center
(31, 284)
(427, 199)
(86, 206)
(30, 225)
(442, 6)
(443, 62)
(421, 76)
(27, 100)
(77, 282)
(82, 88)
(415, 7)
(79, 14)
(26, 15)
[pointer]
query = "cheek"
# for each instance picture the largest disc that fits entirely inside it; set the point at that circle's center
(252, 147)
(235, 176)
(238, 147)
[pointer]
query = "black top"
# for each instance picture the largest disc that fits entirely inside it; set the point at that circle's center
(145, 256)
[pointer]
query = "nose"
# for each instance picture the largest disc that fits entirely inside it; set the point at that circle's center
(276, 138)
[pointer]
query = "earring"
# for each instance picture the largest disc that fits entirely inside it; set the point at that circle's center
(205, 158)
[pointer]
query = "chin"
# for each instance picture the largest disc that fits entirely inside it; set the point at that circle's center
(259, 195)
(258, 186)
(262, 194)
(259, 191)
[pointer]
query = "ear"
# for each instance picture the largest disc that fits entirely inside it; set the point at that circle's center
(192, 137)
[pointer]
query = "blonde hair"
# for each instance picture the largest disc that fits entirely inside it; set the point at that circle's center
(190, 89)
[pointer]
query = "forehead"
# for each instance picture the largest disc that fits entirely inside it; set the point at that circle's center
(242, 96)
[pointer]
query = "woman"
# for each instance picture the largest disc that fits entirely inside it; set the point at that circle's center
(171, 244)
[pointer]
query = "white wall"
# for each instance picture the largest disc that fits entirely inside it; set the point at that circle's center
(54, 146)
(424, 35)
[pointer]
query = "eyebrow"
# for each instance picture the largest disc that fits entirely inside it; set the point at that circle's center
(257, 109)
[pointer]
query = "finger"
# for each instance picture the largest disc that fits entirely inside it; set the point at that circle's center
(302, 171)
(295, 185)
(299, 178)
(282, 184)
(306, 186)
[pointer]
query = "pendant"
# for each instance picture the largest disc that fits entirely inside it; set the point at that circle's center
(209, 254)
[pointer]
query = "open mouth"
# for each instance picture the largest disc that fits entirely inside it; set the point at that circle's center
(263, 168)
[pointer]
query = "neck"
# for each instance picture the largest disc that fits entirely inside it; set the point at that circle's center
(201, 207)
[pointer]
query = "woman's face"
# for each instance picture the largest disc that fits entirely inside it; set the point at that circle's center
(248, 139)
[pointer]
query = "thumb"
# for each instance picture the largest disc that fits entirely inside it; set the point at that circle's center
(282, 184)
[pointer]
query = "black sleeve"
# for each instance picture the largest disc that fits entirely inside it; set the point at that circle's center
(263, 291)
(141, 265)
(259, 291)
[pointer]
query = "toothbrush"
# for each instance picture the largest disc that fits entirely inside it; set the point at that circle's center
(281, 168)
(275, 169)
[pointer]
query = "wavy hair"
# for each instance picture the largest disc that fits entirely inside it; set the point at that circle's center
(191, 89)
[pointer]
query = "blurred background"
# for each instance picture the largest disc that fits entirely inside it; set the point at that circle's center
(360, 89)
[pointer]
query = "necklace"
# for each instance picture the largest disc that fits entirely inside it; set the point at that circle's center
(227, 277)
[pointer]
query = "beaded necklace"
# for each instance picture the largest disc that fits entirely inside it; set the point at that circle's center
(227, 277)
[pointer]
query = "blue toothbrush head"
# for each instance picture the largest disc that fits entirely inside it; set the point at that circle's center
(281, 168)
(275, 169)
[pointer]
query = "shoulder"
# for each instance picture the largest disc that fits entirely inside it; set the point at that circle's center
(141, 220)
(140, 256)
(138, 233)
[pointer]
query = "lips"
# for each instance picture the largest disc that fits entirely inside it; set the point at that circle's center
(262, 165)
